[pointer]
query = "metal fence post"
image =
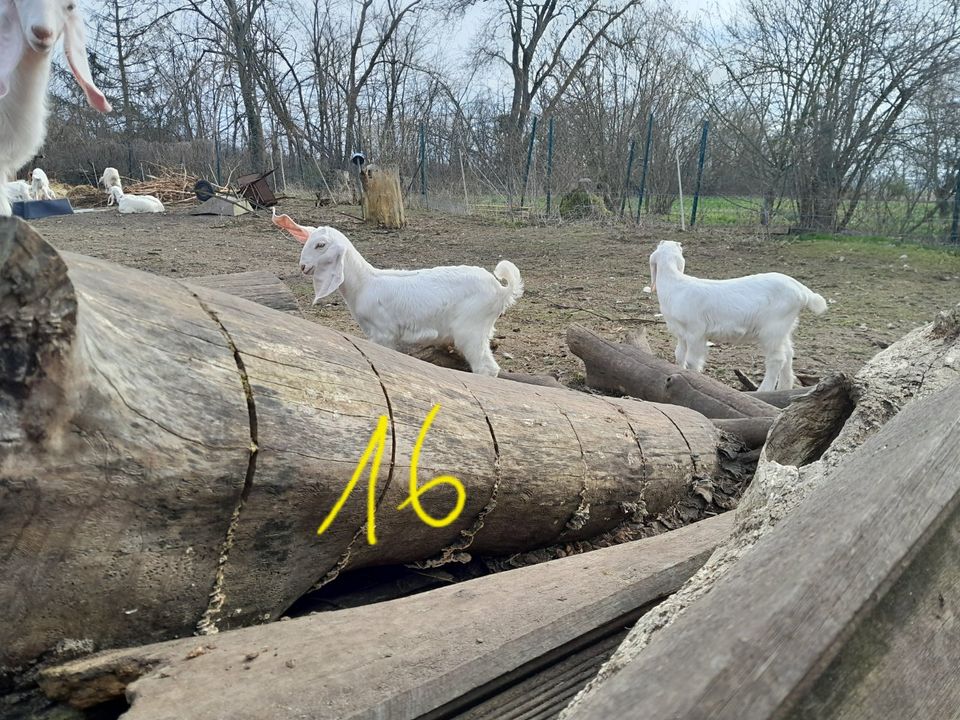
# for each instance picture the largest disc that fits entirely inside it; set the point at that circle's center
(423, 163)
(526, 173)
(549, 161)
(696, 191)
(626, 182)
(646, 163)
(955, 225)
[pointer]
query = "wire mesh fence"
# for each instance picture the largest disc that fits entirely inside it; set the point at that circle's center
(548, 173)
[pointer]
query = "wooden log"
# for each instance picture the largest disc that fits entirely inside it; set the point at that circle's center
(527, 378)
(753, 431)
(256, 286)
(400, 659)
(852, 598)
(382, 198)
(639, 339)
(168, 453)
(805, 429)
(628, 370)
(778, 398)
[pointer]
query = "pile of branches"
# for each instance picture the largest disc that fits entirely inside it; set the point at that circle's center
(171, 185)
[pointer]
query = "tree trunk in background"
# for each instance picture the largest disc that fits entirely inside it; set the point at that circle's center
(167, 453)
(382, 197)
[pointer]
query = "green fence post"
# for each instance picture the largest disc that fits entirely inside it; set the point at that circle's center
(646, 163)
(626, 182)
(955, 226)
(549, 161)
(696, 192)
(526, 173)
(423, 163)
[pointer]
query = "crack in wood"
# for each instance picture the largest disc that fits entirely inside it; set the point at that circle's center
(691, 453)
(454, 551)
(207, 624)
(332, 574)
(581, 515)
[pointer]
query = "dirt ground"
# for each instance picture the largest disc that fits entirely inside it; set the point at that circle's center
(585, 273)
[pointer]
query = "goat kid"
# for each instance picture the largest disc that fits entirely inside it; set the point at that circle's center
(761, 309)
(29, 29)
(40, 186)
(404, 309)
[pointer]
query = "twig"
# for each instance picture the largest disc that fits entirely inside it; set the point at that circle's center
(747, 383)
(607, 317)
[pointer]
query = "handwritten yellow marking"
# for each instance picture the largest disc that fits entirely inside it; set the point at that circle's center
(377, 441)
(416, 492)
(375, 447)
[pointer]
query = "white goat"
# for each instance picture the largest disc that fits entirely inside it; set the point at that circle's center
(759, 309)
(28, 31)
(134, 203)
(17, 191)
(404, 309)
(110, 178)
(40, 189)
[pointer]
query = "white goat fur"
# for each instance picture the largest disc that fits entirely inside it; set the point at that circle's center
(17, 191)
(40, 187)
(405, 309)
(110, 178)
(761, 309)
(29, 29)
(127, 204)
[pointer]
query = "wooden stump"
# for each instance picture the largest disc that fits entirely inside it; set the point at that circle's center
(382, 197)
(167, 453)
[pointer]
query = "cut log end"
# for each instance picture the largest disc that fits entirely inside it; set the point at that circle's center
(38, 318)
(803, 431)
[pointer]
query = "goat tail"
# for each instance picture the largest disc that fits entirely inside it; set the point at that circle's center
(815, 303)
(507, 272)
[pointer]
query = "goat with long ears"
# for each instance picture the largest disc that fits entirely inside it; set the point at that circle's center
(406, 309)
(29, 30)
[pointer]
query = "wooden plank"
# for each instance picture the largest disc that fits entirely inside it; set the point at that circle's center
(543, 695)
(757, 643)
(257, 286)
(399, 659)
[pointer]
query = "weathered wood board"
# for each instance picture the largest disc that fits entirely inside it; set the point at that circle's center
(257, 286)
(429, 654)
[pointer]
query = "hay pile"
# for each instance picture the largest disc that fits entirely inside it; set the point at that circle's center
(171, 186)
(80, 196)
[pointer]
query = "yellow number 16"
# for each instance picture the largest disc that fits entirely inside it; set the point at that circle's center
(375, 448)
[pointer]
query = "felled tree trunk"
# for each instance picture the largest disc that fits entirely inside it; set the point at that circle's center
(167, 453)
(382, 198)
(627, 369)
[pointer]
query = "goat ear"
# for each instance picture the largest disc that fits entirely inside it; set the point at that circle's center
(299, 232)
(11, 44)
(653, 275)
(327, 277)
(75, 48)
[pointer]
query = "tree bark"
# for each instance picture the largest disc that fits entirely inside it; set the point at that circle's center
(382, 197)
(628, 370)
(167, 453)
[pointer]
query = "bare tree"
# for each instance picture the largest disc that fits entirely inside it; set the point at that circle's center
(549, 43)
(816, 89)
